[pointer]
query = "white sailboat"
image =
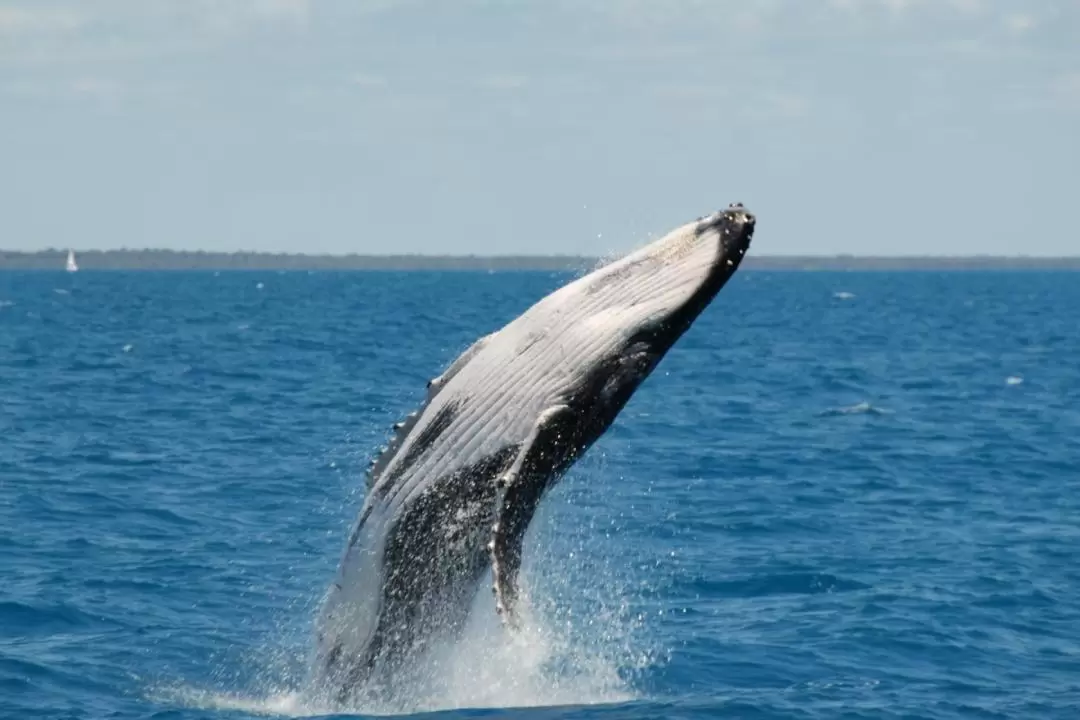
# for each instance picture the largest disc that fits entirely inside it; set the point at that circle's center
(71, 265)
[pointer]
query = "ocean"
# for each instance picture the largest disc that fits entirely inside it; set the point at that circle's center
(841, 495)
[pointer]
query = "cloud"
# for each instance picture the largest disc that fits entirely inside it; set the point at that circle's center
(29, 19)
(35, 33)
(33, 17)
(1066, 89)
(367, 80)
(1020, 23)
(96, 87)
(897, 7)
(503, 82)
(236, 16)
(790, 105)
(104, 91)
(290, 10)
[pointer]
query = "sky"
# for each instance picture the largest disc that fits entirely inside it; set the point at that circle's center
(870, 127)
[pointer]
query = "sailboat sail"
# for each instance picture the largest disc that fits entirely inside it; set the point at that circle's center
(71, 265)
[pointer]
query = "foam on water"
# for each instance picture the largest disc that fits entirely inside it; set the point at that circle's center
(861, 408)
(544, 663)
(578, 643)
(284, 703)
(539, 665)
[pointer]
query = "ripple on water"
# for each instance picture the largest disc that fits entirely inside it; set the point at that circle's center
(816, 506)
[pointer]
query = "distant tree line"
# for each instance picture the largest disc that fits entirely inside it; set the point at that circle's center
(53, 259)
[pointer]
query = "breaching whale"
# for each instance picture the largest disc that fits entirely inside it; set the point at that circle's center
(453, 493)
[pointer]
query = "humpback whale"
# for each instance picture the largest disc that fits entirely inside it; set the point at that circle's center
(452, 495)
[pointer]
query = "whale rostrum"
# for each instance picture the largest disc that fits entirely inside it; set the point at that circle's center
(452, 494)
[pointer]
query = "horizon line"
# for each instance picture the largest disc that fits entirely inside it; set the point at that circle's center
(528, 256)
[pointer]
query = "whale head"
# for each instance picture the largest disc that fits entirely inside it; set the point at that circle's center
(664, 286)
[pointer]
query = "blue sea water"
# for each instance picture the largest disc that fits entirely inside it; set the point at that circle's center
(841, 495)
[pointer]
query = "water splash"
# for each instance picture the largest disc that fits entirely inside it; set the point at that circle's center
(542, 664)
(580, 641)
(283, 703)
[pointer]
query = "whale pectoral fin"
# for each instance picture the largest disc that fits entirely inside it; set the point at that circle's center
(539, 462)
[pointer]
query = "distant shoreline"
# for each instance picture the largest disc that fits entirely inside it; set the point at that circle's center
(194, 260)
